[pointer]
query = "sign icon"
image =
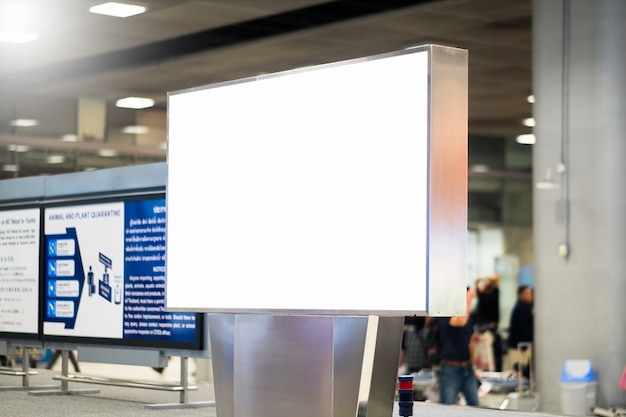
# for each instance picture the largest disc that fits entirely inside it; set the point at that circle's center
(52, 268)
(51, 309)
(52, 247)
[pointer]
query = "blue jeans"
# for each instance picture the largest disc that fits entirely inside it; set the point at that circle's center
(455, 379)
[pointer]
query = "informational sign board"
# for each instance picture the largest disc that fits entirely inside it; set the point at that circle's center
(19, 272)
(334, 189)
(104, 268)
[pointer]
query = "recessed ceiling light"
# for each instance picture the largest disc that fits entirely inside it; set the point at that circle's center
(17, 37)
(527, 139)
(107, 153)
(479, 168)
(18, 148)
(135, 130)
(529, 121)
(24, 122)
(530, 99)
(55, 159)
(10, 167)
(116, 9)
(135, 103)
(70, 137)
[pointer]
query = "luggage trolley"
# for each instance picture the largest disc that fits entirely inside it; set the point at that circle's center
(523, 399)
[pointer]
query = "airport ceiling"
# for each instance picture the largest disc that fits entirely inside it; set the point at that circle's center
(179, 44)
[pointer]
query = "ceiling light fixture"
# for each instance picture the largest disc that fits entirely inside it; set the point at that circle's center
(135, 130)
(10, 167)
(18, 148)
(481, 168)
(24, 122)
(107, 153)
(70, 137)
(116, 9)
(526, 139)
(135, 103)
(530, 98)
(17, 37)
(55, 159)
(529, 122)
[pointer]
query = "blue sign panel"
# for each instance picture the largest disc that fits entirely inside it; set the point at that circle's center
(105, 275)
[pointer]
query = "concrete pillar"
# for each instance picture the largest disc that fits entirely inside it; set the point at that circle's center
(579, 300)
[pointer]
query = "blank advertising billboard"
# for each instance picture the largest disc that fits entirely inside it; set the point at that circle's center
(310, 191)
(19, 271)
(104, 264)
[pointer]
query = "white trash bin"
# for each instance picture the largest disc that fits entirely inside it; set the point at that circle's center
(578, 388)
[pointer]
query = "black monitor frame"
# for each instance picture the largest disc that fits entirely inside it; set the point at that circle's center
(101, 198)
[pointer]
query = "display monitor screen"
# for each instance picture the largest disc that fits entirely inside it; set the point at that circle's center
(104, 266)
(19, 272)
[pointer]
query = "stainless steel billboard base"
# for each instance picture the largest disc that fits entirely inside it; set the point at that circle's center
(309, 366)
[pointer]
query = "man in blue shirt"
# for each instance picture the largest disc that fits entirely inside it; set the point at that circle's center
(456, 371)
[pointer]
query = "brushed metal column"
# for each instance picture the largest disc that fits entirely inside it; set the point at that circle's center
(222, 339)
(305, 366)
(387, 343)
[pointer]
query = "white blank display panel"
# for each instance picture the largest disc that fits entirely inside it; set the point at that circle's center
(304, 191)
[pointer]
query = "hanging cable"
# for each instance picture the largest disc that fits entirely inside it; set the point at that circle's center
(564, 249)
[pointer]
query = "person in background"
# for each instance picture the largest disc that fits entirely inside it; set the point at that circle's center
(521, 324)
(521, 327)
(488, 307)
(486, 316)
(412, 354)
(456, 371)
(419, 345)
